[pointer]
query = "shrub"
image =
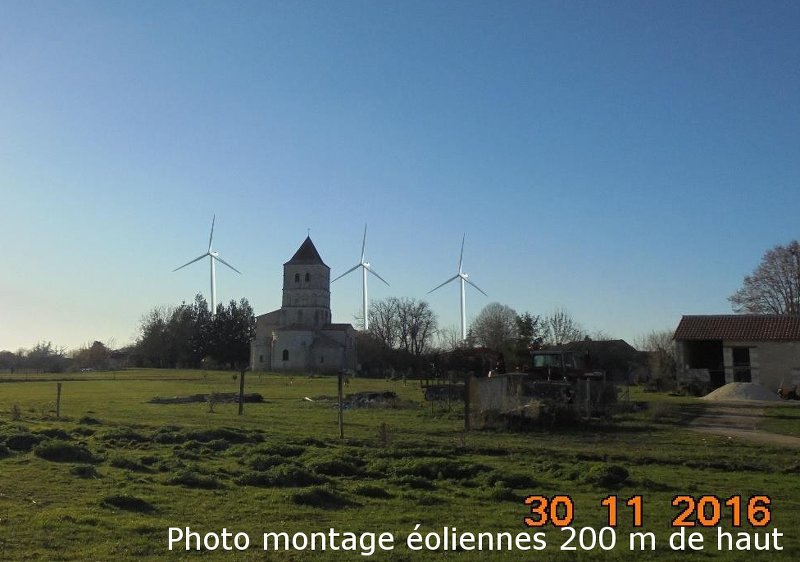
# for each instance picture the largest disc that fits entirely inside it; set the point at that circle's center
(224, 433)
(370, 491)
(424, 498)
(23, 441)
(439, 468)
(416, 482)
(192, 479)
(4, 451)
(89, 420)
(124, 436)
(607, 475)
(168, 438)
(502, 493)
(281, 449)
(84, 471)
(55, 433)
(335, 467)
(384, 435)
(286, 476)
(127, 464)
(16, 412)
(61, 451)
(322, 497)
(128, 503)
(149, 460)
(510, 479)
(264, 462)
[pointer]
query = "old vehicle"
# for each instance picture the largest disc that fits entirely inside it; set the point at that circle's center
(562, 365)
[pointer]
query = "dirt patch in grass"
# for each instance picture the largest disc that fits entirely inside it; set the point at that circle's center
(739, 421)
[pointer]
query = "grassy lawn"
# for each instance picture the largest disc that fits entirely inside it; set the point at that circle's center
(114, 473)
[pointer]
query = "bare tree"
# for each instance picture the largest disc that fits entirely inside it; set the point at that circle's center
(560, 327)
(403, 323)
(661, 352)
(449, 338)
(417, 325)
(383, 323)
(774, 286)
(496, 327)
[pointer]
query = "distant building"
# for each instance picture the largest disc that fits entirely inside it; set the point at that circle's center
(621, 362)
(300, 336)
(759, 348)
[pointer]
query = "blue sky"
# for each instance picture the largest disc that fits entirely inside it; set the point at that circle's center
(627, 161)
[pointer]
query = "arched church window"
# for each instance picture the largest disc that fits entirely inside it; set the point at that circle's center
(285, 355)
(307, 277)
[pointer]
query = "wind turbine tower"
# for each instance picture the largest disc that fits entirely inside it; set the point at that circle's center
(365, 269)
(212, 258)
(464, 279)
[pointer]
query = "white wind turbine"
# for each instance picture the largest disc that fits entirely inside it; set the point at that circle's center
(212, 257)
(366, 268)
(464, 279)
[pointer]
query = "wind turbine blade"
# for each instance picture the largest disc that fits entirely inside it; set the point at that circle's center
(211, 236)
(375, 273)
(190, 263)
(461, 257)
(453, 278)
(364, 244)
(348, 271)
(226, 263)
(474, 285)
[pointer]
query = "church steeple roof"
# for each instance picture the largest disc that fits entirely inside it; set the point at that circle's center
(307, 254)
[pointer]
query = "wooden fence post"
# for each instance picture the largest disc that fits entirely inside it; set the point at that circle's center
(341, 417)
(58, 400)
(467, 379)
(241, 391)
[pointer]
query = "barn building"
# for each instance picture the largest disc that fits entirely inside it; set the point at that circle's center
(759, 348)
(300, 336)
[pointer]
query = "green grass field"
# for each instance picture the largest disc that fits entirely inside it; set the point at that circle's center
(109, 478)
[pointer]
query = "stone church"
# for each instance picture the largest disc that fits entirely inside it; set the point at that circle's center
(300, 336)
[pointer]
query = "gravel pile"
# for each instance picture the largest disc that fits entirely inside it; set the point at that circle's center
(742, 391)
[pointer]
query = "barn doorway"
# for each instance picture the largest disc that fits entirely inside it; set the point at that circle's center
(741, 364)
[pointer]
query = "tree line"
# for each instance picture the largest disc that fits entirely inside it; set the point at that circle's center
(404, 334)
(189, 336)
(183, 336)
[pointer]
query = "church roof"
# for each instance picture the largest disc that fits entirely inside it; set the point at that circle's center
(307, 254)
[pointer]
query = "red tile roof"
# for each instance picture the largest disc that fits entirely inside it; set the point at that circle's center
(739, 327)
